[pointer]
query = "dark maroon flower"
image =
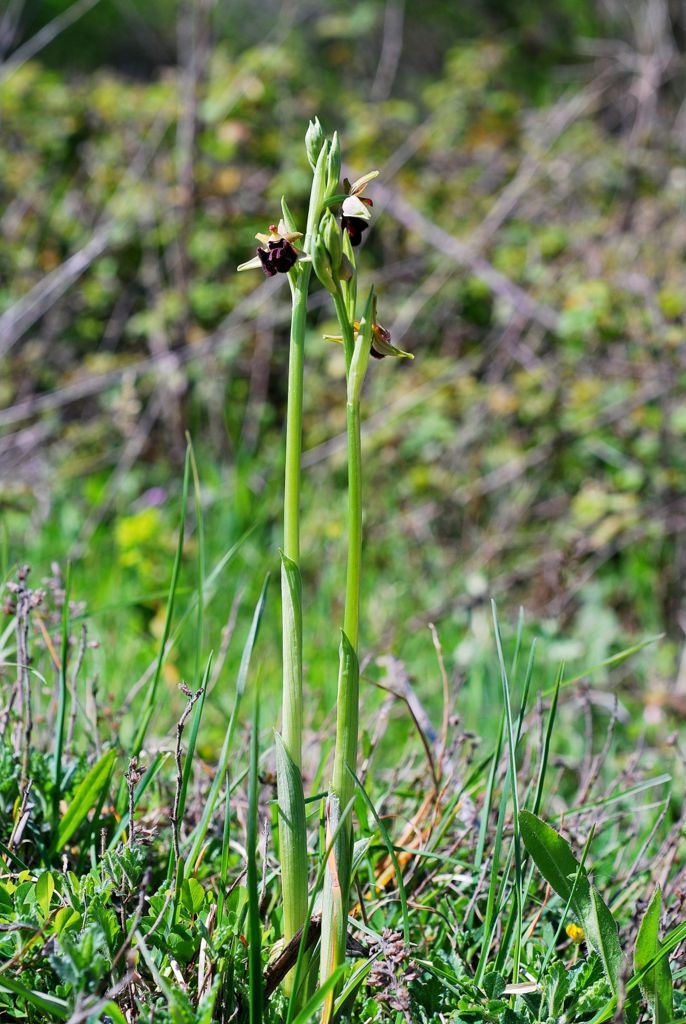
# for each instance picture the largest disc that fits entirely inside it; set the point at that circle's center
(354, 226)
(278, 257)
(277, 254)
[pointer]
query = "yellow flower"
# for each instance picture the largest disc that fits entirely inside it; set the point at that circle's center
(575, 933)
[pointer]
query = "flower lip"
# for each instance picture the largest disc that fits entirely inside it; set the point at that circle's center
(354, 226)
(278, 258)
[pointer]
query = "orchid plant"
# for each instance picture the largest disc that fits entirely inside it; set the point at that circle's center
(328, 246)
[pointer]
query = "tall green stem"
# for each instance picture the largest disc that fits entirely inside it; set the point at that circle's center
(292, 819)
(292, 643)
(292, 831)
(337, 880)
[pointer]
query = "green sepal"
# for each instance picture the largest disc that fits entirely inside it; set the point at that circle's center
(333, 165)
(287, 215)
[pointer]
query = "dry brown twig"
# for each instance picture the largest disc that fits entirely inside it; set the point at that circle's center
(193, 697)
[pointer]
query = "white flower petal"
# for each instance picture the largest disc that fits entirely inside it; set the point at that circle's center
(254, 264)
(354, 207)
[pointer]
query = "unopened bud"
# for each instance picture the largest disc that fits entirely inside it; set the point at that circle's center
(331, 234)
(314, 138)
(333, 166)
(321, 263)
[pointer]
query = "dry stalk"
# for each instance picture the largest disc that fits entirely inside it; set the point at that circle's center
(180, 725)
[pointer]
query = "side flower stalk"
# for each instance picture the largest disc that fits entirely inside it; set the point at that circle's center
(335, 265)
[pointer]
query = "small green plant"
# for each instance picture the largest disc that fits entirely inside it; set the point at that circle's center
(328, 247)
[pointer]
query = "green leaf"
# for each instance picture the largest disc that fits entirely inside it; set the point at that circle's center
(287, 216)
(554, 859)
(292, 836)
(85, 798)
(192, 896)
(656, 984)
(320, 995)
(45, 887)
(601, 931)
(66, 917)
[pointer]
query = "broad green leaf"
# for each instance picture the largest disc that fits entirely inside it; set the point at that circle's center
(85, 798)
(601, 930)
(45, 887)
(553, 857)
(192, 896)
(66, 917)
(656, 985)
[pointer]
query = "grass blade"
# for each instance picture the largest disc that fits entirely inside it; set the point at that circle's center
(201, 830)
(86, 796)
(224, 864)
(512, 750)
(322, 993)
(391, 853)
(149, 705)
(254, 928)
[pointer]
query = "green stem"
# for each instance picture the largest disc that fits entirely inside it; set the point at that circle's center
(291, 797)
(292, 645)
(345, 323)
(292, 834)
(337, 881)
(351, 621)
